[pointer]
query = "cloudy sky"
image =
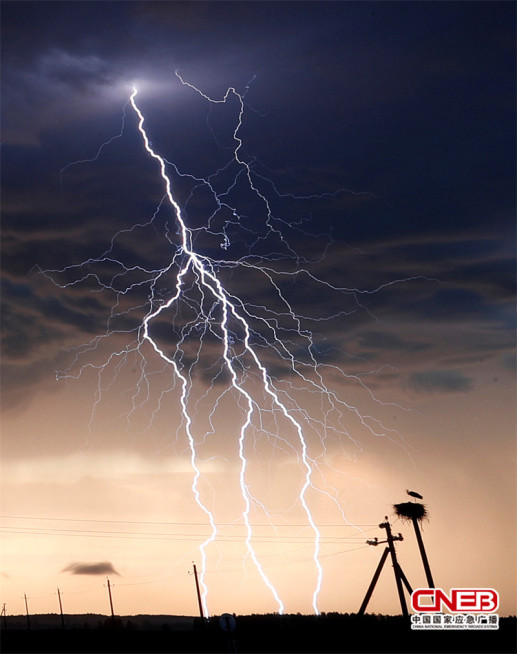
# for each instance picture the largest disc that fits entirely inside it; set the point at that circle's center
(343, 318)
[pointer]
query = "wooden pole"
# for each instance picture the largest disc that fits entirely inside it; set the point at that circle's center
(396, 569)
(405, 581)
(373, 582)
(200, 603)
(27, 611)
(423, 554)
(111, 599)
(61, 608)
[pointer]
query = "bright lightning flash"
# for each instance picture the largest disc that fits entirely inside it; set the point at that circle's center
(250, 335)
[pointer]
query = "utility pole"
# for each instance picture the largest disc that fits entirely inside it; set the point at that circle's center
(111, 600)
(27, 610)
(61, 608)
(200, 603)
(373, 583)
(400, 577)
(423, 554)
(4, 614)
(396, 568)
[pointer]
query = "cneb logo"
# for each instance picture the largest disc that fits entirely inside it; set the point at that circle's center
(466, 600)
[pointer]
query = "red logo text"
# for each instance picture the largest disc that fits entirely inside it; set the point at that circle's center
(463, 600)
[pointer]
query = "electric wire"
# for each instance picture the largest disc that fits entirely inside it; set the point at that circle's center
(91, 533)
(153, 522)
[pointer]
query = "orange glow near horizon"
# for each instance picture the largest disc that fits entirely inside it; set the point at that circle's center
(134, 508)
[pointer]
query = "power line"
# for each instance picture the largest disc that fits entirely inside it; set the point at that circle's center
(92, 533)
(190, 524)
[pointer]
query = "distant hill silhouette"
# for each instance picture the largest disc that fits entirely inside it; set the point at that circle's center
(97, 620)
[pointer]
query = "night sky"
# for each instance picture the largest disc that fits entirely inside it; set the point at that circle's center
(367, 231)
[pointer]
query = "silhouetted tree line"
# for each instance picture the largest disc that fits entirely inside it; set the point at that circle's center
(329, 632)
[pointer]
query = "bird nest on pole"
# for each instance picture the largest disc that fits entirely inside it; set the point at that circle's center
(410, 511)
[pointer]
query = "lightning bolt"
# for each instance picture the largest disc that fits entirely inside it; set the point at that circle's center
(212, 285)
(246, 331)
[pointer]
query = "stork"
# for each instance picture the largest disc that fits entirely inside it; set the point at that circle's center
(414, 494)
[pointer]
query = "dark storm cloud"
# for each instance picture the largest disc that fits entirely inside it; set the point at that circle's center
(510, 361)
(410, 106)
(387, 341)
(76, 72)
(31, 319)
(98, 568)
(440, 381)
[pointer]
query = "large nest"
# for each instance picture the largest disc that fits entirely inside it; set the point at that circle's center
(409, 511)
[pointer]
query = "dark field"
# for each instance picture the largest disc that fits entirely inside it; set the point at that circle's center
(331, 632)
